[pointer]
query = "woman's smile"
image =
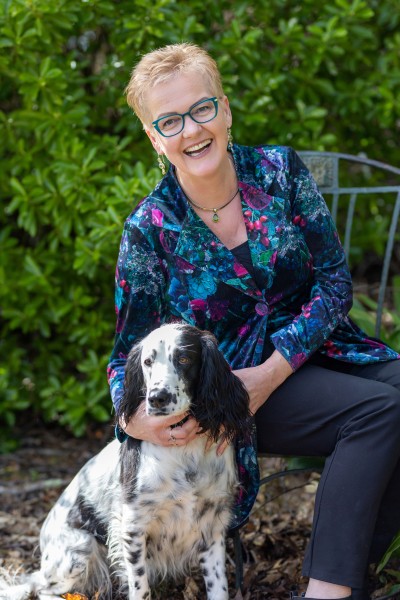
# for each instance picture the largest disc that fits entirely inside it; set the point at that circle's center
(200, 149)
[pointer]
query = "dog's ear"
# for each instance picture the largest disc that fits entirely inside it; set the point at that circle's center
(134, 385)
(222, 401)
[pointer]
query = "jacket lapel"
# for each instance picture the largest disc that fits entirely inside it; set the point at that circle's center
(200, 247)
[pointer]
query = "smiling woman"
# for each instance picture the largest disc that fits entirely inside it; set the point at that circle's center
(180, 100)
(198, 144)
(239, 241)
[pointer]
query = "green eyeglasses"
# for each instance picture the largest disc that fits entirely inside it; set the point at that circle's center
(201, 112)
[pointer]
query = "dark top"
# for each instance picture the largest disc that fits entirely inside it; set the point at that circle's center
(243, 256)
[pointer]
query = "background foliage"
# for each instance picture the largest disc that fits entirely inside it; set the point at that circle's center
(315, 75)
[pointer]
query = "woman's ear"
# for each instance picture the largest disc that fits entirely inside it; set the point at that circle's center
(154, 140)
(224, 103)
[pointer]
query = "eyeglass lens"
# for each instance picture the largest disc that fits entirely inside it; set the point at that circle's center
(200, 113)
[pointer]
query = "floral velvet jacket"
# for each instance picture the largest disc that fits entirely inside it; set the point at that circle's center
(172, 267)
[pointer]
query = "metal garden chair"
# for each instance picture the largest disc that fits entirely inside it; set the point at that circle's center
(352, 186)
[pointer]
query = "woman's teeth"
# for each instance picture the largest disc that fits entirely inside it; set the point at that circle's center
(198, 148)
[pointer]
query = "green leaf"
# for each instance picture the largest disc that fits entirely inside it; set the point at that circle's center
(32, 267)
(393, 550)
(17, 187)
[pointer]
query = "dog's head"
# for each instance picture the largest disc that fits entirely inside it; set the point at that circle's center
(177, 369)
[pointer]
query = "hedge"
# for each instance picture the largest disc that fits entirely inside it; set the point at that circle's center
(74, 160)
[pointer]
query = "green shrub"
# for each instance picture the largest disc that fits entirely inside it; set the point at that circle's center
(74, 160)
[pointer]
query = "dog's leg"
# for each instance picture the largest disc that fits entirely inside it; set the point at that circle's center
(135, 560)
(34, 586)
(72, 560)
(212, 564)
(16, 592)
(134, 551)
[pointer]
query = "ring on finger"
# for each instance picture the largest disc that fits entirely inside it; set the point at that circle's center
(172, 438)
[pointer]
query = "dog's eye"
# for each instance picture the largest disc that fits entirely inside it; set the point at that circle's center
(184, 360)
(147, 362)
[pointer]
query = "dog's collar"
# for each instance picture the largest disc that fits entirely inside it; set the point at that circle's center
(181, 422)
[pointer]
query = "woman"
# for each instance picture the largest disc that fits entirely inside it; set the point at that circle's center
(239, 241)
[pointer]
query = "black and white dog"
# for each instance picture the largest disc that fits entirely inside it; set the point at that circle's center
(138, 512)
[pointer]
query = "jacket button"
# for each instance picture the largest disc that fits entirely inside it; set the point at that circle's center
(261, 308)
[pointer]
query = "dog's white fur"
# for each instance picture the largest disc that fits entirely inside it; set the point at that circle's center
(138, 512)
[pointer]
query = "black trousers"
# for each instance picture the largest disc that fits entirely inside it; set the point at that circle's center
(351, 415)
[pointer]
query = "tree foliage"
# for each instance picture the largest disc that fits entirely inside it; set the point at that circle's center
(74, 160)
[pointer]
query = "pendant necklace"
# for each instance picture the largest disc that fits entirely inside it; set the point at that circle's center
(215, 216)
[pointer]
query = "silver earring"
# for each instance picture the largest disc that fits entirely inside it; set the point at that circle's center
(230, 140)
(161, 164)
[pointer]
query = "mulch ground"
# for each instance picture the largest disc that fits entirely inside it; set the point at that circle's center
(32, 478)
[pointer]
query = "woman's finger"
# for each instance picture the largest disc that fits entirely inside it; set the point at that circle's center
(222, 446)
(187, 431)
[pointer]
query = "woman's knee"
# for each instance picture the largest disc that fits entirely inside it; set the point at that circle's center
(375, 415)
(387, 407)
(385, 372)
(392, 400)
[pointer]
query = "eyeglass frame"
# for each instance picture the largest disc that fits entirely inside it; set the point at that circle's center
(183, 115)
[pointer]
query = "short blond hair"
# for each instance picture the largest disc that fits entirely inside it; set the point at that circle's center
(164, 63)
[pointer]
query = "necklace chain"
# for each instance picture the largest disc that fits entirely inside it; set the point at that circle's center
(215, 216)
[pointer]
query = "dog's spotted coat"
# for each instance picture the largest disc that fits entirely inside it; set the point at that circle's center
(138, 512)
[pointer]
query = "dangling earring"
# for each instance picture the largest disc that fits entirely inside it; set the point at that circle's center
(230, 140)
(161, 164)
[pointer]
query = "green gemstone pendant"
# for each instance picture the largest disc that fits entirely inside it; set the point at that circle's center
(215, 217)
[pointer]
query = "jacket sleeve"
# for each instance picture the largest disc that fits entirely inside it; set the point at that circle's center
(330, 298)
(139, 304)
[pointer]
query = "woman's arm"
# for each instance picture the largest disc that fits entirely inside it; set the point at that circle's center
(330, 297)
(140, 306)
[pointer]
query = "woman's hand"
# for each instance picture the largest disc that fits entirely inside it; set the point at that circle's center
(158, 430)
(262, 380)
(259, 381)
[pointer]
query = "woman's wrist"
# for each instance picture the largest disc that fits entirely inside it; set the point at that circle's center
(277, 369)
(261, 381)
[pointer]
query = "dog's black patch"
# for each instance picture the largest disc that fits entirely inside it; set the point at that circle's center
(82, 515)
(130, 458)
(134, 556)
(191, 475)
(186, 358)
(207, 505)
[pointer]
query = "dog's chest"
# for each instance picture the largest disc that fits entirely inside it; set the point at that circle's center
(181, 494)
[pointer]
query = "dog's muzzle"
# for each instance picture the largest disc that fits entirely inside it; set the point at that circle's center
(158, 400)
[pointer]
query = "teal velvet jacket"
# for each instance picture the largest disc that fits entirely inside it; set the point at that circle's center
(171, 267)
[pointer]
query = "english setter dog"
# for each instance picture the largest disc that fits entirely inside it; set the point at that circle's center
(138, 512)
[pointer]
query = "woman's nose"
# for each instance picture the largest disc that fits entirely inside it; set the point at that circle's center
(191, 127)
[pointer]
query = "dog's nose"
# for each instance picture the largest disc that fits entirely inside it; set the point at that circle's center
(159, 398)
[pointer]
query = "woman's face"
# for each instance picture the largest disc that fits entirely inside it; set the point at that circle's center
(200, 149)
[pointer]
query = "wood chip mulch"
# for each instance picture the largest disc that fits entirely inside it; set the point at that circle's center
(33, 476)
